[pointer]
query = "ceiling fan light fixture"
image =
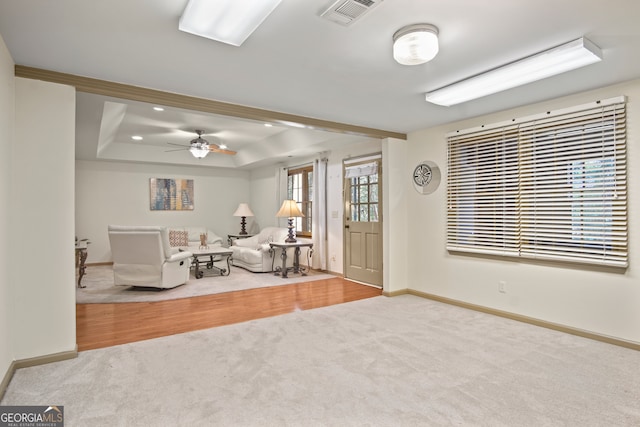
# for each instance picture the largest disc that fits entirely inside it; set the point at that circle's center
(415, 44)
(199, 150)
(569, 56)
(226, 21)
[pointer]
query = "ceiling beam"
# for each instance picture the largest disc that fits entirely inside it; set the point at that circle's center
(136, 93)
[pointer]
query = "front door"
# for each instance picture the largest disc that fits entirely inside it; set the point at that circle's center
(363, 222)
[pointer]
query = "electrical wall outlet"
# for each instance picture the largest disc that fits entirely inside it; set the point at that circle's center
(502, 287)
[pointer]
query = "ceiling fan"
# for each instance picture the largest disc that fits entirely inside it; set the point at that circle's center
(200, 147)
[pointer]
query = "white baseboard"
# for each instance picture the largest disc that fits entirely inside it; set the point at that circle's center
(513, 316)
(33, 361)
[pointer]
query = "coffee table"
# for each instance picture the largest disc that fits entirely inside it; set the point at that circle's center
(208, 257)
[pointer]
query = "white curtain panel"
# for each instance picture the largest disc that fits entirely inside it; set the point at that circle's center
(319, 221)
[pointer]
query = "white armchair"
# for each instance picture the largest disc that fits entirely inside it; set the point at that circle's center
(142, 256)
(253, 253)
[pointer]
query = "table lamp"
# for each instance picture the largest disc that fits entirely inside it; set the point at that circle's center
(290, 210)
(243, 211)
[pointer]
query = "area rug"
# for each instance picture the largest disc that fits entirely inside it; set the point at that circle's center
(100, 288)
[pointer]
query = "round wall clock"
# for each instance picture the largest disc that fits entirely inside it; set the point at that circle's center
(426, 177)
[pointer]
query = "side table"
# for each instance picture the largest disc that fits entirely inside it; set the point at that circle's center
(232, 237)
(283, 271)
(81, 258)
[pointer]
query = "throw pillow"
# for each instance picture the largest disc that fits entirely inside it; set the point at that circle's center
(178, 238)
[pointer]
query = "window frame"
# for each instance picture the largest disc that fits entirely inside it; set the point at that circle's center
(303, 226)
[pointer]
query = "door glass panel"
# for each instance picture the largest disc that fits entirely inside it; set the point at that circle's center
(364, 194)
(373, 196)
(373, 213)
(364, 198)
(364, 214)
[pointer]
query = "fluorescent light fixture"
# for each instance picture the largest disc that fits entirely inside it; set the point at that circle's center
(227, 21)
(415, 44)
(557, 60)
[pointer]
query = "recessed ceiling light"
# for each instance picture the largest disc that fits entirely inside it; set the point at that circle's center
(293, 124)
(158, 108)
(268, 125)
(223, 146)
(137, 138)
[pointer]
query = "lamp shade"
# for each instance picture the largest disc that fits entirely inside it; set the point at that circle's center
(243, 210)
(415, 44)
(289, 209)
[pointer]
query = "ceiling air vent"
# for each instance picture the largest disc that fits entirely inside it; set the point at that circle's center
(345, 12)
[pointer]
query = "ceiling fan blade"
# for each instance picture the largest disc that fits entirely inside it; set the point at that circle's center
(177, 149)
(178, 145)
(215, 149)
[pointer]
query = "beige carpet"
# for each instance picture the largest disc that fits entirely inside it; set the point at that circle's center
(402, 361)
(100, 288)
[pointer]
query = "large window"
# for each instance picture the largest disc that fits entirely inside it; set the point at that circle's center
(300, 189)
(550, 187)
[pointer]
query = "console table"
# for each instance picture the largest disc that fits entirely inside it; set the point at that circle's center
(283, 271)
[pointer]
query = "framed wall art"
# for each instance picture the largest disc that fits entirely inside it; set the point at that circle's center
(171, 194)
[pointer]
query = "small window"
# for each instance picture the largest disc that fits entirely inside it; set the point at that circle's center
(300, 189)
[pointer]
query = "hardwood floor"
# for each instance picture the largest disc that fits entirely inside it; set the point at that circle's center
(104, 325)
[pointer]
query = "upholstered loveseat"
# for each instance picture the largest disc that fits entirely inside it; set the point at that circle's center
(189, 236)
(253, 253)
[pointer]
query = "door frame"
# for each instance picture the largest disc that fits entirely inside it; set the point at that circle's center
(367, 158)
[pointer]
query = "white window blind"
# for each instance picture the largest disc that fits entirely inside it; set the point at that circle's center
(552, 186)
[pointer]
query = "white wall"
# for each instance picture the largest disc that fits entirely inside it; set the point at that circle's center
(264, 188)
(42, 220)
(263, 202)
(6, 140)
(596, 300)
(395, 214)
(118, 193)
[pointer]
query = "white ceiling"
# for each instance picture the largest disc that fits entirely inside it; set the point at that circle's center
(299, 63)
